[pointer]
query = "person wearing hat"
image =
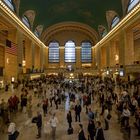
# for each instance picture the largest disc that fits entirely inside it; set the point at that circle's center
(81, 135)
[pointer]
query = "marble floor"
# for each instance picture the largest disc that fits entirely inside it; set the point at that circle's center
(28, 130)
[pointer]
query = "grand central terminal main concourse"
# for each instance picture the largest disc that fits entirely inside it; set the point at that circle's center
(70, 69)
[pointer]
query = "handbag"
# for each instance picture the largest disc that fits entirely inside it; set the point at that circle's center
(109, 116)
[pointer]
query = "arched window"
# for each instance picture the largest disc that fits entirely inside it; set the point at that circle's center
(54, 52)
(86, 52)
(25, 20)
(70, 51)
(37, 34)
(10, 4)
(115, 21)
(132, 4)
(104, 33)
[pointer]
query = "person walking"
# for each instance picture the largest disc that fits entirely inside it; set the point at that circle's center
(106, 112)
(91, 130)
(53, 122)
(69, 119)
(99, 132)
(81, 135)
(39, 124)
(77, 112)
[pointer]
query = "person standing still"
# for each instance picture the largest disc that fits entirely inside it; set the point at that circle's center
(77, 112)
(69, 119)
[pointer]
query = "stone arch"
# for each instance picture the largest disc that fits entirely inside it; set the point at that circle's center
(70, 31)
(109, 17)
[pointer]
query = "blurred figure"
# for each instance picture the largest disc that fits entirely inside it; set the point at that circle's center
(81, 135)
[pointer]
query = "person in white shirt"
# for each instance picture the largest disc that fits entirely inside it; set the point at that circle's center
(134, 105)
(106, 112)
(11, 131)
(53, 122)
(125, 117)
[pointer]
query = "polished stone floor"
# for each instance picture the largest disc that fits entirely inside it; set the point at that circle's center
(28, 130)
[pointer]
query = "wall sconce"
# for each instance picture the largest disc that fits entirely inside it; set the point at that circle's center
(7, 60)
(23, 63)
(116, 57)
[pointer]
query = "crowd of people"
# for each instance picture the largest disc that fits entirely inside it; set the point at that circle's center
(81, 96)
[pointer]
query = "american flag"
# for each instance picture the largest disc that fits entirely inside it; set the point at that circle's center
(11, 47)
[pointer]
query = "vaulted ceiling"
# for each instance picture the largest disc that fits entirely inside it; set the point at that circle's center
(90, 12)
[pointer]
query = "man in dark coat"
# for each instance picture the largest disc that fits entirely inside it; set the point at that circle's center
(77, 112)
(39, 124)
(81, 135)
(99, 132)
(69, 119)
(91, 129)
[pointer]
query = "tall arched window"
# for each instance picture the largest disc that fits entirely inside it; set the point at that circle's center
(10, 4)
(132, 4)
(86, 52)
(54, 52)
(70, 51)
(104, 33)
(25, 20)
(115, 21)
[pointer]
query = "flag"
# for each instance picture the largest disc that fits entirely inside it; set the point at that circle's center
(11, 47)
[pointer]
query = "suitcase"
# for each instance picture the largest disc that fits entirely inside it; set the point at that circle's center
(70, 131)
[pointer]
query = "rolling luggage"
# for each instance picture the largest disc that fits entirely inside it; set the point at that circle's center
(70, 131)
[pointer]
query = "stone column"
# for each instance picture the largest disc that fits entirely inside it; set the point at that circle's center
(47, 57)
(20, 52)
(37, 57)
(33, 55)
(129, 48)
(62, 56)
(98, 57)
(107, 56)
(78, 56)
(28, 54)
(41, 57)
(93, 57)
